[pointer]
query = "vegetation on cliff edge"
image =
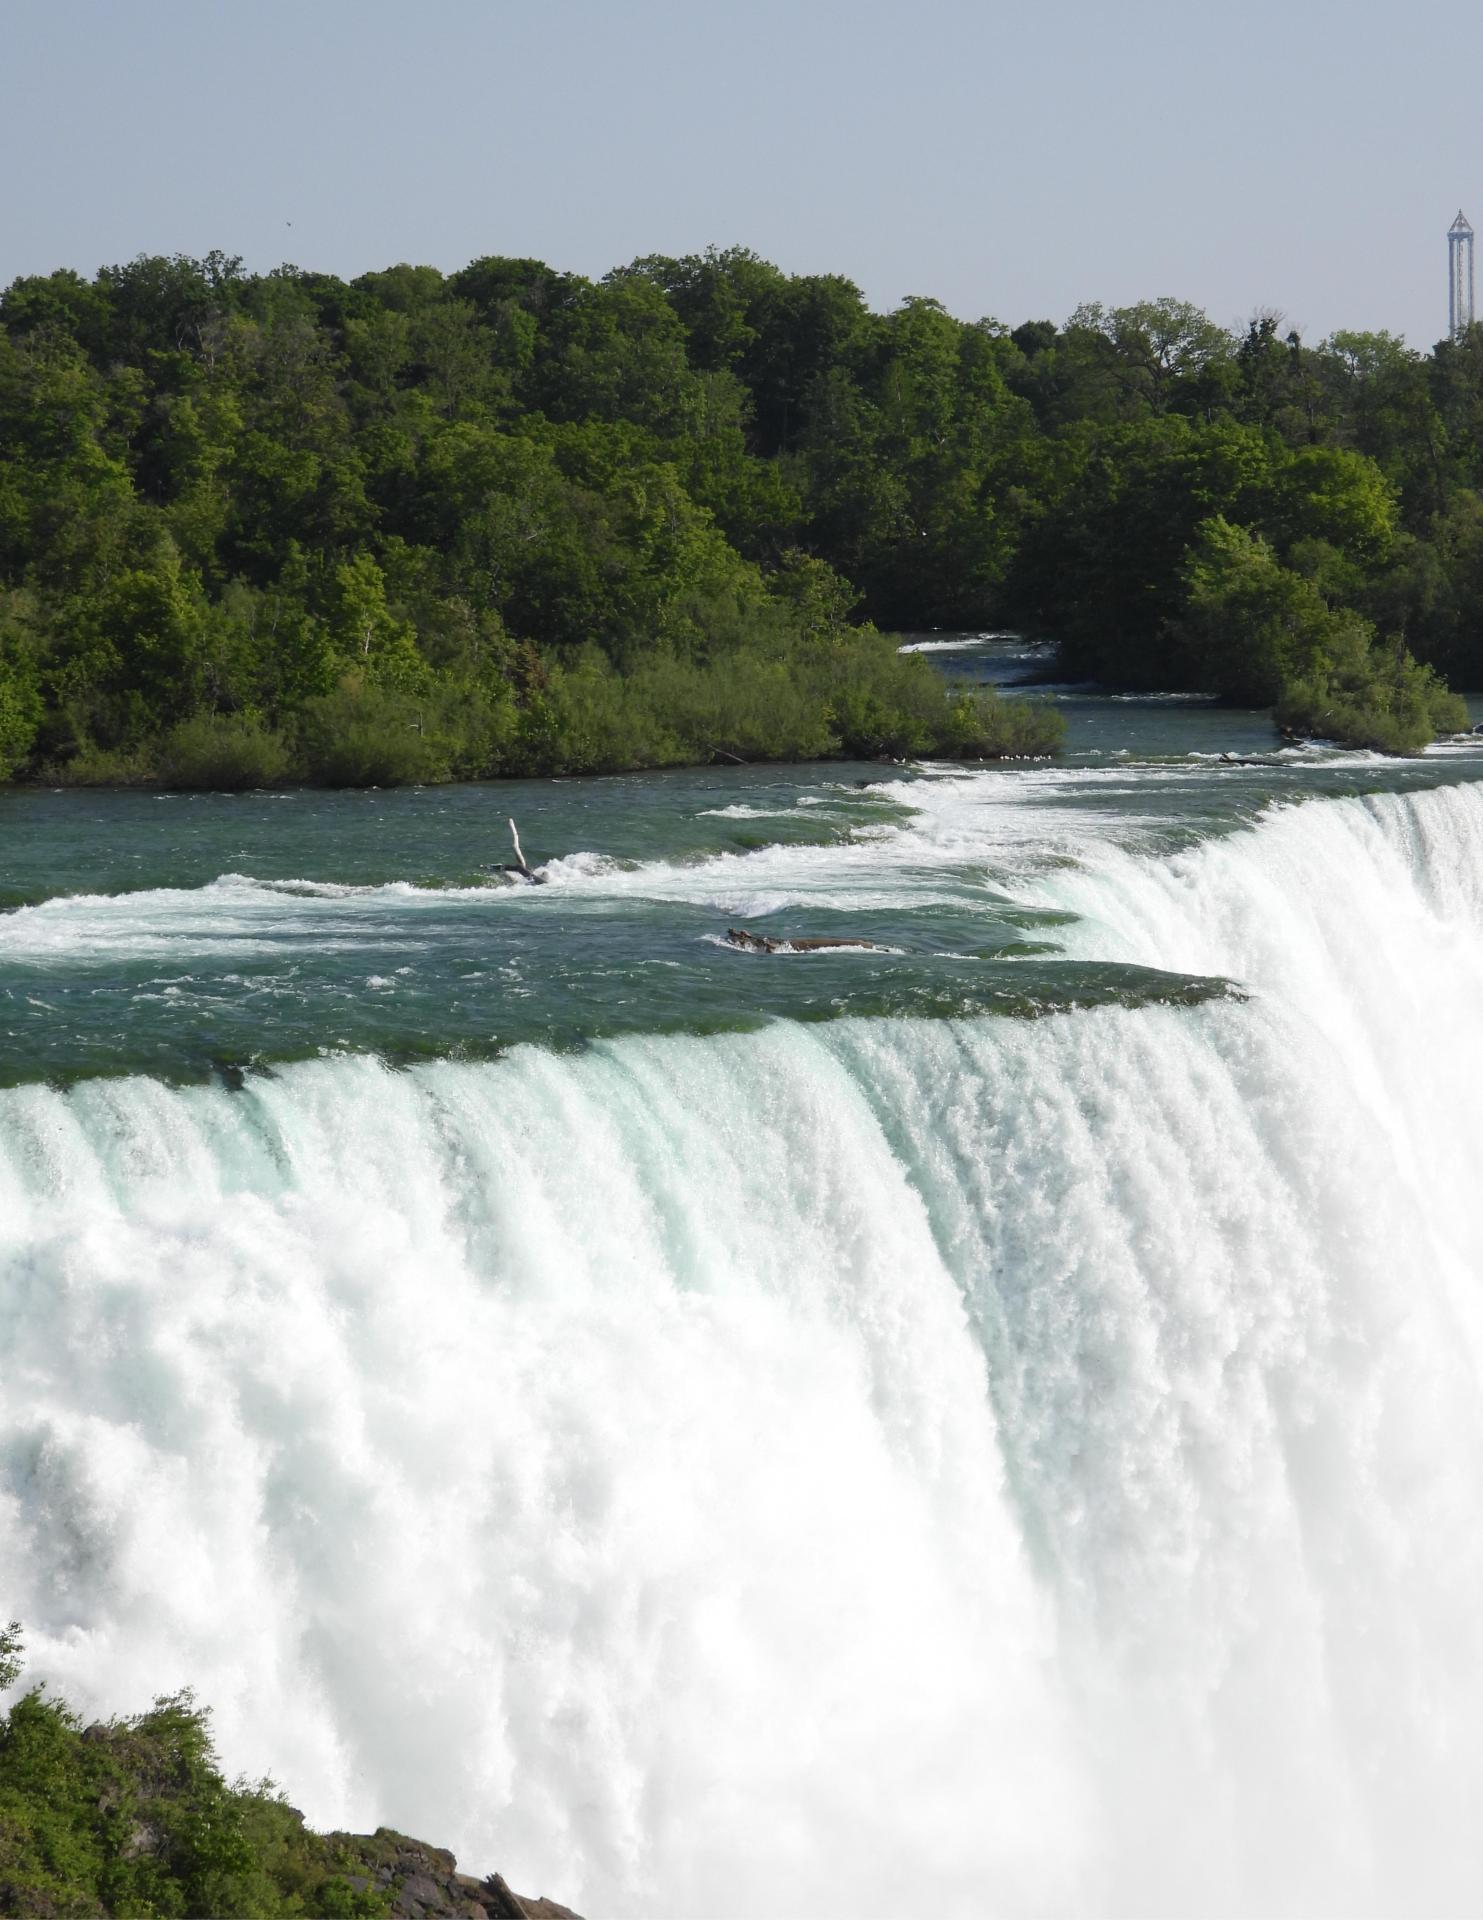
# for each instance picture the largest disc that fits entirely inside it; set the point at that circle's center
(132, 1817)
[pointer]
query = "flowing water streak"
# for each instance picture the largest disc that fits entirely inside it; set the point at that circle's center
(997, 1467)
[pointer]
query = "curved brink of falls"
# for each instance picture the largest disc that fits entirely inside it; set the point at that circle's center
(990, 1467)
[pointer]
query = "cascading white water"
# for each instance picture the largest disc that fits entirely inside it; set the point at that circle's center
(1001, 1467)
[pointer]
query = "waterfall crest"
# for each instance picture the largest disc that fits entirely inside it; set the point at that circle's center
(995, 1466)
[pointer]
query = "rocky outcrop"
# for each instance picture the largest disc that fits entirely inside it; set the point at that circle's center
(765, 943)
(423, 1882)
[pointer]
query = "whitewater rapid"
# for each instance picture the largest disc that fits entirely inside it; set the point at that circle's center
(1005, 1466)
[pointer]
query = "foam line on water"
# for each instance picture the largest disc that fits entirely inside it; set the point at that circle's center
(948, 820)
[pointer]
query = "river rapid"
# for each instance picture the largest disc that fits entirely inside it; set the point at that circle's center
(987, 1422)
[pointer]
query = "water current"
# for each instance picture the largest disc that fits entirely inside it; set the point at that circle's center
(984, 1423)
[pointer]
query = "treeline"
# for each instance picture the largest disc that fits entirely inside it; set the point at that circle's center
(416, 527)
(510, 520)
(1246, 515)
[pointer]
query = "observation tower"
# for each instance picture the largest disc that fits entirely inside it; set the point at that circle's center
(1459, 276)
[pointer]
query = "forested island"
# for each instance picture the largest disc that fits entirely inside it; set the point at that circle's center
(513, 521)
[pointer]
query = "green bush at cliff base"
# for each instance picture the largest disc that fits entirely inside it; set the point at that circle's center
(94, 766)
(20, 712)
(132, 1817)
(367, 736)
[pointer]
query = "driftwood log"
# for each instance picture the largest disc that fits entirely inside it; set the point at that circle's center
(520, 865)
(764, 943)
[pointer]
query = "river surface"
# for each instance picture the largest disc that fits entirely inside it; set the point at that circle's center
(987, 1421)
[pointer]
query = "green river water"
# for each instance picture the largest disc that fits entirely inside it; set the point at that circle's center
(195, 934)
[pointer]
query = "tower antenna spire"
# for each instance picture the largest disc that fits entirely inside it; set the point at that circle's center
(1459, 276)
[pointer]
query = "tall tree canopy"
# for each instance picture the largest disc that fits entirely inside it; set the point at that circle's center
(258, 507)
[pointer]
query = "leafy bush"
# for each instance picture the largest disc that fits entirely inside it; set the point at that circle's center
(20, 709)
(222, 752)
(367, 736)
(757, 704)
(102, 767)
(885, 702)
(133, 1817)
(780, 699)
(771, 695)
(1372, 696)
(1262, 634)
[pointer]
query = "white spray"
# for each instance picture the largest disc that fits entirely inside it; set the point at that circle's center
(1007, 1467)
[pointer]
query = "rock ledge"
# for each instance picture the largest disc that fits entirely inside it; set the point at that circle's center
(424, 1883)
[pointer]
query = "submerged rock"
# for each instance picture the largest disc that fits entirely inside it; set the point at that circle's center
(767, 943)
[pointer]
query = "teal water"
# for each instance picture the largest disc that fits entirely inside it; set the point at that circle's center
(199, 935)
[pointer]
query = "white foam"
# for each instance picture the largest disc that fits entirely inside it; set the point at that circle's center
(1008, 1467)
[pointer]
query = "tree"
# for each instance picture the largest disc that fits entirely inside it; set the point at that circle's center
(1099, 568)
(367, 636)
(618, 353)
(11, 1649)
(21, 704)
(1147, 351)
(1248, 623)
(1330, 494)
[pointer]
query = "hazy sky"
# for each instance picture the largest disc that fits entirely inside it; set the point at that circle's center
(1010, 159)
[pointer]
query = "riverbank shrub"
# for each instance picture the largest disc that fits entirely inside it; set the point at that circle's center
(1263, 634)
(1367, 694)
(362, 735)
(223, 753)
(20, 713)
(853, 696)
(93, 766)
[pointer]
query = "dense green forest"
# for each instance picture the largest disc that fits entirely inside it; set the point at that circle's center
(509, 520)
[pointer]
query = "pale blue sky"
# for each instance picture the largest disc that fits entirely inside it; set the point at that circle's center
(1010, 159)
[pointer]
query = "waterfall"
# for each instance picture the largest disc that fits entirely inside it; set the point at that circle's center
(1003, 1466)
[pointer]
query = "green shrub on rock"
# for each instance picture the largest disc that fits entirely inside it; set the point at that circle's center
(133, 1818)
